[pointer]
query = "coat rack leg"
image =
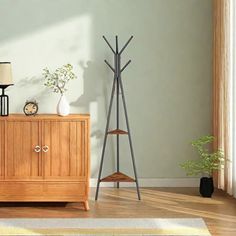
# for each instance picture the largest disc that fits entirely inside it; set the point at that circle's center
(105, 138)
(117, 67)
(117, 126)
(130, 140)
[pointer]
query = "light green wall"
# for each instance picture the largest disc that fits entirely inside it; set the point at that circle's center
(167, 85)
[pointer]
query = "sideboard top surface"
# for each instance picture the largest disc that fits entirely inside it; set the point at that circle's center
(45, 117)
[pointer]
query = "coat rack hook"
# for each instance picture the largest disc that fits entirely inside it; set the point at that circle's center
(109, 66)
(108, 44)
(125, 65)
(126, 44)
(117, 49)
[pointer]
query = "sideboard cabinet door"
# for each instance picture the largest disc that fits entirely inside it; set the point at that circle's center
(64, 150)
(2, 148)
(22, 154)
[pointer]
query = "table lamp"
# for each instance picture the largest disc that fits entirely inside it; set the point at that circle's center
(5, 81)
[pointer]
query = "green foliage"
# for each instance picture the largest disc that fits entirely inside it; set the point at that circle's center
(58, 79)
(208, 162)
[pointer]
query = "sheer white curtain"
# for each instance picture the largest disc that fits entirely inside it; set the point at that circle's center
(224, 91)
(232, 95)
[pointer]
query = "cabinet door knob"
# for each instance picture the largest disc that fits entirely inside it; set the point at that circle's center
(45, 148)
(37, 148)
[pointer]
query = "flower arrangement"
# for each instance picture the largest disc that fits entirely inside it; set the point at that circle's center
(58, 80)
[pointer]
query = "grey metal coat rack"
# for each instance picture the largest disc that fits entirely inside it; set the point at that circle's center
(118, 88)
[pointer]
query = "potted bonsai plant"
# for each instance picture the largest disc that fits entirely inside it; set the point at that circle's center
(57, 81)
(208, 162)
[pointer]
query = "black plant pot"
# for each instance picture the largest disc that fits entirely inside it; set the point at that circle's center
(206, 186)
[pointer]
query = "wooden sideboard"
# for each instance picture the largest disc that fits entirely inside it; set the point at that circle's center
(45, 158)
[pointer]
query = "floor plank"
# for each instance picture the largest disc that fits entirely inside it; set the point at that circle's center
(218, 212)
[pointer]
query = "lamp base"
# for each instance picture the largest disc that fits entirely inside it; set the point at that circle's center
(4, 101)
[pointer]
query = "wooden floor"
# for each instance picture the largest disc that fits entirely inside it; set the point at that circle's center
(219, 212)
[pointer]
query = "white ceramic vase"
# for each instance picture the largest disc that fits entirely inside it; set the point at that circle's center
(63, 107)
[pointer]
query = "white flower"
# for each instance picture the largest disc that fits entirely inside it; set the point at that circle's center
(58, 79)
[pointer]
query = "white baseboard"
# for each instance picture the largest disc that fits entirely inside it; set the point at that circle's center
(154, 182)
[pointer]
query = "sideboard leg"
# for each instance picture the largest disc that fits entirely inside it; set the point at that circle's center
(86, 205)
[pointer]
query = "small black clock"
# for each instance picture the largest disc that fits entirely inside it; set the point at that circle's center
(31, 108)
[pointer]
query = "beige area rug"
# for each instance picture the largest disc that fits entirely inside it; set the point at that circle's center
(103, 226)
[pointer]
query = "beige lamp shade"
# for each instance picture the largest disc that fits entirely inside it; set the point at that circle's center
(5, 73)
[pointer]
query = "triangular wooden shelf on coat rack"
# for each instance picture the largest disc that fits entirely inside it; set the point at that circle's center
(117, 88)
(117, 177)
(117, 131)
